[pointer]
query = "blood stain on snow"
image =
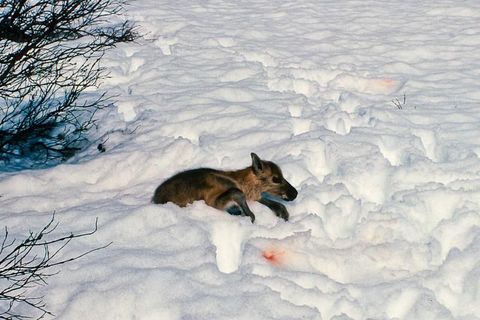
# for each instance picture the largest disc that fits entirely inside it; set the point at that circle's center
(386, 83)
(274, 256)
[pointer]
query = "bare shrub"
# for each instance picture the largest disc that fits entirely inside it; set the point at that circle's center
(49, 70)
(26, 264)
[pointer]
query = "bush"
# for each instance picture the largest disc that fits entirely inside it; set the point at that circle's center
(49, 56)
(27, 264)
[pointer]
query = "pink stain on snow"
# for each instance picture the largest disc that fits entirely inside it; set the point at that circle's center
(274, 256)
(386, 83)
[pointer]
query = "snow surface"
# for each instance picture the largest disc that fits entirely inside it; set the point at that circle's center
(387, 221)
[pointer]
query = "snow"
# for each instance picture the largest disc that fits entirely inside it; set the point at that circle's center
(387, 221)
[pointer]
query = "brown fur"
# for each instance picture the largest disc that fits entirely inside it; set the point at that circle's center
(226, 189)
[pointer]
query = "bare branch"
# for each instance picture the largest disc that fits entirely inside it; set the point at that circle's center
(28, 264)
(50, 54)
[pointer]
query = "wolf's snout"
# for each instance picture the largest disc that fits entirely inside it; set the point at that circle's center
(291, 194)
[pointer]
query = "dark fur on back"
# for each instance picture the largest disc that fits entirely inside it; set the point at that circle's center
(188, 186)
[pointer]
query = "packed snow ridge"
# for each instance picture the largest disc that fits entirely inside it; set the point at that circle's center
(371, 109)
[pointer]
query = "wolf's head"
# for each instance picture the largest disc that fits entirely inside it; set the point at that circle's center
(270, 179)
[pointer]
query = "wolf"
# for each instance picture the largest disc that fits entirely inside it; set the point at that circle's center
(263, 181)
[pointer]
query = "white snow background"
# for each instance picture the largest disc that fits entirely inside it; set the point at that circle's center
(387, 221)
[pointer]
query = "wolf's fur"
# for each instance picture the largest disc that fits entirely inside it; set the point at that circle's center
(230, 190)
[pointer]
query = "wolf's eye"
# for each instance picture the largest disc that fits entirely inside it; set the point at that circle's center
(276, 179)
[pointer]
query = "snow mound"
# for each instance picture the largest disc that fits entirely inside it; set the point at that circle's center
(371, 110)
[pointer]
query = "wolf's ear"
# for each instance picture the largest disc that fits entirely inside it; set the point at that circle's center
(256, 163)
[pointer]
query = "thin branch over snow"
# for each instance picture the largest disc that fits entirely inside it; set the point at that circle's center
(27, 264)
(50, 55)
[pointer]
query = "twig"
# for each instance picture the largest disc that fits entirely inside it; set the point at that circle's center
(28, 264)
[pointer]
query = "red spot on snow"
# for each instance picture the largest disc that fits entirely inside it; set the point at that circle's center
(274, 256)
(388, 83)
